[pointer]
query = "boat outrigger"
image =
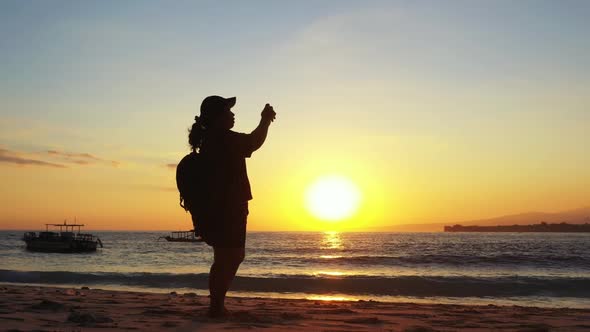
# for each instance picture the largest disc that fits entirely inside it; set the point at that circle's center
(63, 241)
(182, 236)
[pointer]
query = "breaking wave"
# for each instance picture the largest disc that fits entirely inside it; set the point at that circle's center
(448, 286)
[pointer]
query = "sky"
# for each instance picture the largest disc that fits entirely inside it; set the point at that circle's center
(438, 111)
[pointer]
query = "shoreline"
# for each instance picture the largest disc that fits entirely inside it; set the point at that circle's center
(40, 307)
(539, 302)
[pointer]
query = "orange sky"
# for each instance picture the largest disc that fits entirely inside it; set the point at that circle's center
(438, 114)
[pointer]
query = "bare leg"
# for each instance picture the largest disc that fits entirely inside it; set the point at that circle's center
(225, 266)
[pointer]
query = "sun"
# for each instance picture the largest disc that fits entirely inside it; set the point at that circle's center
(332, 198)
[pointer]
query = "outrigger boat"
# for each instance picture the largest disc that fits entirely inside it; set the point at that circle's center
(63, 241)
(182, 236)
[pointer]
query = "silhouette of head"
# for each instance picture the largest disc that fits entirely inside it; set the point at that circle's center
(216, 112)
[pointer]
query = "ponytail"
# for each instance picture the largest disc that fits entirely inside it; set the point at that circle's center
(195, 134)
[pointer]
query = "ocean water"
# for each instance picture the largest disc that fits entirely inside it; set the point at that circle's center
(539, 269)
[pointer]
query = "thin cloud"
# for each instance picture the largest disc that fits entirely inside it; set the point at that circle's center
(18, 158)
(81, 158)
(59, 158)
(73, 155)
(171, 166)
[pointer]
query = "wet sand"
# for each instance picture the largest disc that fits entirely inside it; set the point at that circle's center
(28, 308)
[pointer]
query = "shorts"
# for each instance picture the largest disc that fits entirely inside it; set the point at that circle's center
(223, 228)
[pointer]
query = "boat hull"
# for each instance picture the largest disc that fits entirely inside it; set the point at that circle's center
(182, 236)
(169, 239)
(40, 245)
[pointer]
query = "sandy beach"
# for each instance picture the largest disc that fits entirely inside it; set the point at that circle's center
(28, 308)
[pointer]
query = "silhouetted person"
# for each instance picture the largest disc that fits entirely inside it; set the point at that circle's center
(221, 217)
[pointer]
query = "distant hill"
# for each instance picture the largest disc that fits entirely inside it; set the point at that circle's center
(577, 216)
(541, 227)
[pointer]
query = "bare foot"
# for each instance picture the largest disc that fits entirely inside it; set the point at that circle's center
(218, 313)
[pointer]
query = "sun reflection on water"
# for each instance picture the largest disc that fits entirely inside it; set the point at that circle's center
(330, 256)
(330, 273)
(330, 298)
(332, 240)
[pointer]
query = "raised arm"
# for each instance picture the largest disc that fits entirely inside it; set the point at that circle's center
(267, 116)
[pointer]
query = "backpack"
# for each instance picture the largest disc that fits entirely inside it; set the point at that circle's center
(188, 176)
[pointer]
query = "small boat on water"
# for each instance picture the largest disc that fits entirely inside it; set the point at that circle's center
(182, 236)
(63, 241)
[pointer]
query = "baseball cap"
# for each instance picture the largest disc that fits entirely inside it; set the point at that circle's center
(215, 104)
